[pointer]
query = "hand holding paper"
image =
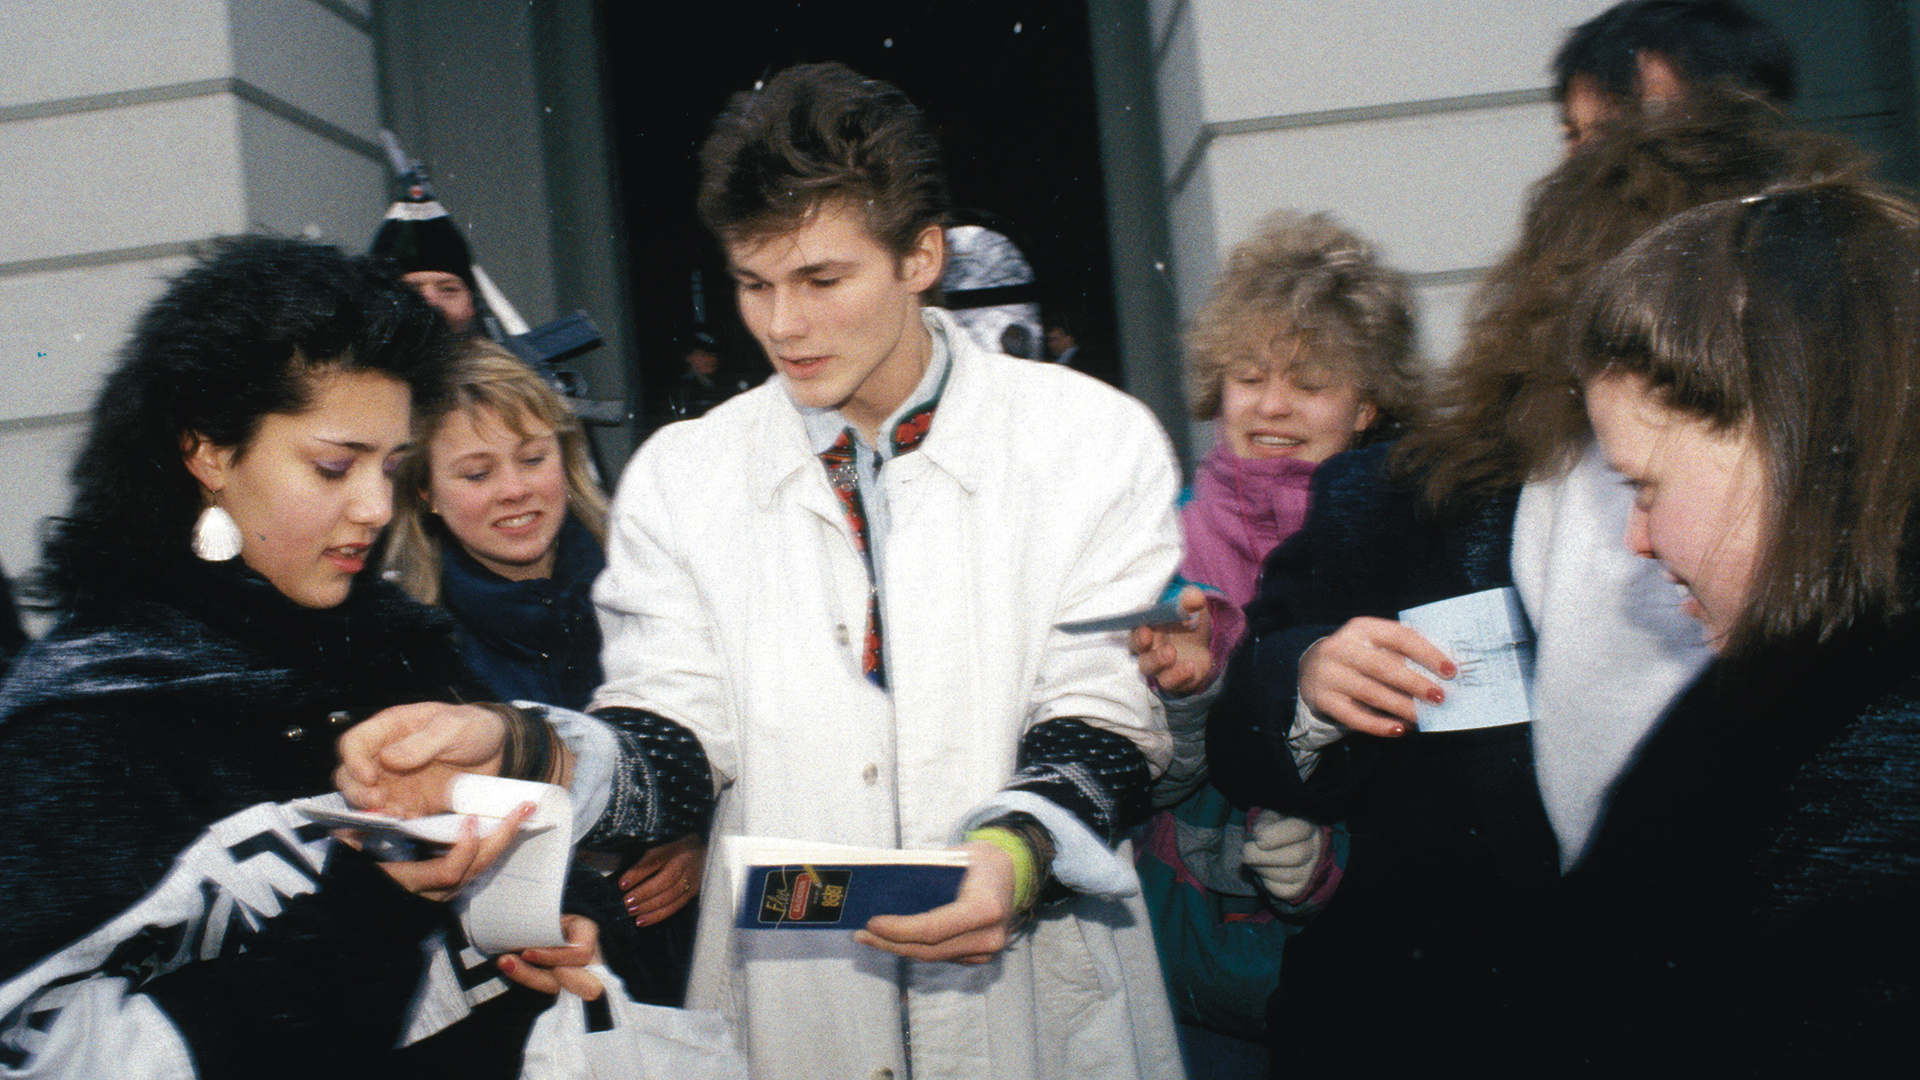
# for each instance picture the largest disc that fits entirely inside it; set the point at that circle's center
(971, 930)
(552, 970)
(1487, 633)
(506, 876)
(1358, 676)
(403, 760)
(1175, 652)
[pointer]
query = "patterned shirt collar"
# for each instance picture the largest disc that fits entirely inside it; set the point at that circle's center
(825, 425)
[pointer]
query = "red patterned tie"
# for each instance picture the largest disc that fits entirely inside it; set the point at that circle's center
(841, 472)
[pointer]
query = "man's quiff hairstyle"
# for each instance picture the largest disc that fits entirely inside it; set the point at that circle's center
(1305, 278)
(817, 133)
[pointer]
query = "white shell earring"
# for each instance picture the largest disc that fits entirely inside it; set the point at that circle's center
(215, 537)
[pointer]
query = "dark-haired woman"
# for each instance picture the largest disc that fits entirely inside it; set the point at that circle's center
(1454, 832)
(1747, 906)
(216, 635)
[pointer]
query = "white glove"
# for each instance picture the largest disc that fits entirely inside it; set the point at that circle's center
(1282, 852)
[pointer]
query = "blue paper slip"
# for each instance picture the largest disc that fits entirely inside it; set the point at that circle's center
(1487, 635)
(1168, 612)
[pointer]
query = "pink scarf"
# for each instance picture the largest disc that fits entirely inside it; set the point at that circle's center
(1242, 509)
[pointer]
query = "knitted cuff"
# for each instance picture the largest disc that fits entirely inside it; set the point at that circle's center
(1098, 776)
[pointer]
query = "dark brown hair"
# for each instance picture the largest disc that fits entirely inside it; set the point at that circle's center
(1794, 317)
(815, 133)
(1508, 411)
(1706, 41)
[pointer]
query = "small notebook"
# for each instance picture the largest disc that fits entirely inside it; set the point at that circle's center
(796, 885)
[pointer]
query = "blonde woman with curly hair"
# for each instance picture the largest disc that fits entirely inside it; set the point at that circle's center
(1304, 350)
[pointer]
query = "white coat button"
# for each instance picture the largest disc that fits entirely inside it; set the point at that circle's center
(840, 634)
(871, 774)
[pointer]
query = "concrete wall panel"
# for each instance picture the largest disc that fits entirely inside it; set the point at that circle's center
(1177, 85)
(1442, 312)
(299, 184)
(33, 487)
(54, 49)
(310, 58)
(1438, 192)
(1160, 15)
(1277, 59)
(61, 331)
(1196, 242)
(145, 174)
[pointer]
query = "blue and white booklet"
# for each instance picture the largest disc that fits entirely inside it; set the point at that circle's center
(1488, 636)
(797, 885)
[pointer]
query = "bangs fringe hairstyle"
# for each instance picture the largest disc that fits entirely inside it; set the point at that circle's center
(1795, 317)
(1306, 278)
(1509, 410)
(484, 377)
(817, 133)
(240, 335)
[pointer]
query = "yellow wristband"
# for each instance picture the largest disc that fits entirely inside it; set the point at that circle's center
(1026, 868)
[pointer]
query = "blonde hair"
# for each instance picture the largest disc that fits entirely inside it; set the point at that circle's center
(487, 377)
(1308, 278)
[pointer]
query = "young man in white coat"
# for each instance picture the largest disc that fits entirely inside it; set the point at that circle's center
(845, 583)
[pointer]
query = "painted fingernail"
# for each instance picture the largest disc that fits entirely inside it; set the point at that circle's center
(1396, 732)
(507, 964)
(641, 921)
(1450, 670)
(1436, 695)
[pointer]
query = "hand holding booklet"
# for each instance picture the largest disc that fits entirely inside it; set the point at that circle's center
(799, 885)
(515, 903)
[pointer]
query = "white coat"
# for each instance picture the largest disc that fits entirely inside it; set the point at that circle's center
(734, 603)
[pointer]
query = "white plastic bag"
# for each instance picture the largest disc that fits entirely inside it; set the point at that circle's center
(643, 1042)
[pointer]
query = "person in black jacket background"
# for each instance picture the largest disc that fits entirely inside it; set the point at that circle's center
(1751, 368)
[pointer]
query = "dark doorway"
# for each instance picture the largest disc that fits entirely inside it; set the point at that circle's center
(1008, 84)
